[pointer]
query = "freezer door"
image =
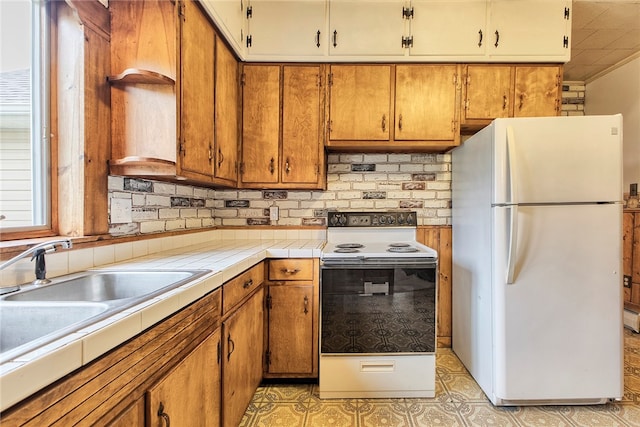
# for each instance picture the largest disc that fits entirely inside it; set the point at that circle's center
(558, 325)
(557, 159)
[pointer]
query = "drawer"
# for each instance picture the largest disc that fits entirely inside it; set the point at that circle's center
(291, 269)
(236, 289)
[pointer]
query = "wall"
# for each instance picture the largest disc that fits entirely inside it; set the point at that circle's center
(420, 182)
(619, 92)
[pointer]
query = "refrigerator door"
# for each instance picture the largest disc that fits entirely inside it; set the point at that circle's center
(557, 159)
(558, 326)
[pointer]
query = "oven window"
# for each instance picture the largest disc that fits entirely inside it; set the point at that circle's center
(378, 310)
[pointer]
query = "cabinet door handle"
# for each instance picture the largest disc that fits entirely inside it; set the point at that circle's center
(318, 39)
(480, 38)
(248, 283)
(290, 271)
(231, 346)
(400, 122)
(272, 166)
(497, 38)
(306, 304)
(384, 122)
(504, 102)
(287, 166)
(521, 101)
(164, 415)
(220, 157)
(335, 38)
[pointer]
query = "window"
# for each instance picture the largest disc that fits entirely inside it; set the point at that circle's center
(25, 182)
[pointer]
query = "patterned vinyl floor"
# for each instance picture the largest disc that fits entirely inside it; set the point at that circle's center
(458, 402)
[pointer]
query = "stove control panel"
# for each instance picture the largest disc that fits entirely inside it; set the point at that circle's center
(373, 219)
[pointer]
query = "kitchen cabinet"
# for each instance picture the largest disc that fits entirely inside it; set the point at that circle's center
(300, 30)
(170, 357)
(231, 18)
(501, 90)
(393, 107)
(189, 394)
(631, 256)
(291, 330)
(163, 92)
(359, 28)
(282, 132)
(432, 32)
(242, 357)
(227, 114)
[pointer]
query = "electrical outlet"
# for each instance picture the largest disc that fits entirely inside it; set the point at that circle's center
(626, 281)
(274, 213)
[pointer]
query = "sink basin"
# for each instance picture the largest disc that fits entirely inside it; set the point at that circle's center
(36, 324)
(107, 286)
(37, 315)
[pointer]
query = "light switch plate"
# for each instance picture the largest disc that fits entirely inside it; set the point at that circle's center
(274, 213)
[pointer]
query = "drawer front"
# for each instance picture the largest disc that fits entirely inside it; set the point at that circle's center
(291, 269)
(236, 289)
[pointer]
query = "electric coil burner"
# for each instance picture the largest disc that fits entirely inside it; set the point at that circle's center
(378, 308)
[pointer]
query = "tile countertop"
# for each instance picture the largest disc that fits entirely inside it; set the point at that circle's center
(30, 372)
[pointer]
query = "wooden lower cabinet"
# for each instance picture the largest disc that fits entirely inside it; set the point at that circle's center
(631, 257)
(291, 328)
(439, 238)
(133, 416)
(189, 395)
(242, 337)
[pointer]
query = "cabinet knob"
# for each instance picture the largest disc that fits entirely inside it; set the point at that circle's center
(247, 284)
(163, 415)
(290, 271)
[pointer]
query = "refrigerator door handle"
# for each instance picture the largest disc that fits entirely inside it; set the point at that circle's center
(513, 244)
(512, 165)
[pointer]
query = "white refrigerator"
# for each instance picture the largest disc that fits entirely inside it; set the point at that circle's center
(537, 259)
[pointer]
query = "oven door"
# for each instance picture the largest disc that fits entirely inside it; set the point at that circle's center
(378, 307)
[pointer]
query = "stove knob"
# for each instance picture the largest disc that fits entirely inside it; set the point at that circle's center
(334, 220)
(401, 219)
(383, 220)
(391, 219)
(342, 220)
(410, 219)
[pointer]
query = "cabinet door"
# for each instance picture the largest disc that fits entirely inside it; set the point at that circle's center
(425, 102)
(488, 92)
(366, 28)
(302, 148)
(434, 35)
(189, 395)
(260, 123)
(242, 358)
(285, 28)
(359, 104)
(230, 16)
(197, 87)
(528, 29)
(290, 329)
(226, 106)
(537, 91)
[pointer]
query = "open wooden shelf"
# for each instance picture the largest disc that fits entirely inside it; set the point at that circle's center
(136, 75)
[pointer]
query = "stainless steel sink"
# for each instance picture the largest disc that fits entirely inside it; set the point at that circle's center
(107, 286)
(26, 326)
(37, 315)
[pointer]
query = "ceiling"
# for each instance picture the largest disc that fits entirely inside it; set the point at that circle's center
(604, 33)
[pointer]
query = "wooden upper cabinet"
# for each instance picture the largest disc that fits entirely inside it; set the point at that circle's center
(426, 102)
(260, 123)
(537, 91)
(226, 114)
(282, 134)
(197, 98)
(487, 92)
(302, 106)
(359, 102)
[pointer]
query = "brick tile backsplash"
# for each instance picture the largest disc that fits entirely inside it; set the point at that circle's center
(420, 182)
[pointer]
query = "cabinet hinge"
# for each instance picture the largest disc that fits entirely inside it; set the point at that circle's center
(407, 41)
(330, 79)
(219, 352)
(249, 12)
(455, 79)
(317, 168)
(182, 149)
(267, 357)
(248, 41)
(565, 42)
(407, 12)
(243, 79)
(242, 168)
(319, 80)
(566, 13)
(181, 10)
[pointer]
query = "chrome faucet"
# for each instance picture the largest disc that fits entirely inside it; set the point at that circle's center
(37, 252)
